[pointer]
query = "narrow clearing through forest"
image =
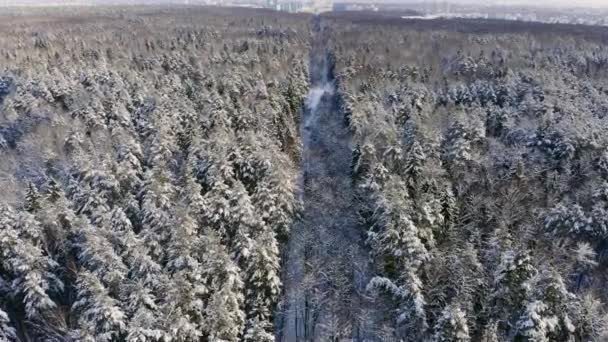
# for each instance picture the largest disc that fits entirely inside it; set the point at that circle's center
(327, 263)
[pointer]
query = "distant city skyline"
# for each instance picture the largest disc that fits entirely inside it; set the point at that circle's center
(548, 3)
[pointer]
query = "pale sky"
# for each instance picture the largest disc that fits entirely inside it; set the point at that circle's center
(569, 3)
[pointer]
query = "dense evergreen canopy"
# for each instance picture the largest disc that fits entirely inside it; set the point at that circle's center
(165, 178)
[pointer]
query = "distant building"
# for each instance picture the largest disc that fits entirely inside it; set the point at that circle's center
(355, 6)
(272, 4)
(294, 6)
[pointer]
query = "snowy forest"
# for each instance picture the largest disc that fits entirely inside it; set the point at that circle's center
(148, 173)
(216, 175)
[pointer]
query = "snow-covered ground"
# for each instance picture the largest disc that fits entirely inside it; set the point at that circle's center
(327, 264)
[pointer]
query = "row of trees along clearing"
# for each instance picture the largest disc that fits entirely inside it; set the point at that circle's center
(481, 168)
(147, 172)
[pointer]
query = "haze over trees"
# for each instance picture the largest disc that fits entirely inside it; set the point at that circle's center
(199, 174)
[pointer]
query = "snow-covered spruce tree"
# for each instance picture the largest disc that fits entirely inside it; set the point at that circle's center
(397, 244)
(7, 332)
(263, 284)
(54, 191)
(140, 306)
(97, 253)
(241, 223)
(583, 263)
(547, 314)
(216, 213)
(32, 198)
(414, 163)
(94, 191)
(275, 202)
(30, 270)
(100, 317)
(257, 330)
(511, 288)
(452, 326)
(156, 210)
(570, 221)
(591, 319)
(456, 146)
(536, 323)
(224, 315)
(129, 168)
(449, 209)
(189, 289)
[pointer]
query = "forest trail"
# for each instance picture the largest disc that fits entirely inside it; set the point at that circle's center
(327, 263)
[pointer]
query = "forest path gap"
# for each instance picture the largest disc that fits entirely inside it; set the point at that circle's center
(327, 263)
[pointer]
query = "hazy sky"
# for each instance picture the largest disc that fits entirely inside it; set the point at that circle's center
(570, 3)
(550, 3)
